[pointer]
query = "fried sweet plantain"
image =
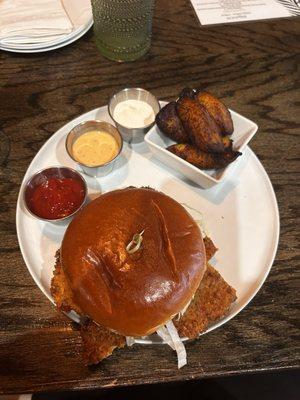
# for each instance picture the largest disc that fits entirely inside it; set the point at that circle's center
(227, 142)
(202, 159)
(169, 123)
(217, 110)
(187, 92)
(201, 127)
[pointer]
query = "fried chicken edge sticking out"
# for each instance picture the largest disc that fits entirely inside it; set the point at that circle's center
(212, 300)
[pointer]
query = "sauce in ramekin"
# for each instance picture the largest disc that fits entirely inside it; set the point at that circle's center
(95, 148)
(56, 198)
(134, 113)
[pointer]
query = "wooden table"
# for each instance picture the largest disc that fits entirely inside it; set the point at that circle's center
(253, 66)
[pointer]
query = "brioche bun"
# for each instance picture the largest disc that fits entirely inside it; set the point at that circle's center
(133, 294)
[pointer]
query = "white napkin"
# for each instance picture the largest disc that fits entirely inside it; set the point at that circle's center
(79, 11)
(41, 21)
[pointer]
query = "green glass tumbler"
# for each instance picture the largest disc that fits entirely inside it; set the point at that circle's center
(123, 28)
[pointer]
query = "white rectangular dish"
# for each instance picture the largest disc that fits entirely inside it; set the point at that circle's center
(244, 130)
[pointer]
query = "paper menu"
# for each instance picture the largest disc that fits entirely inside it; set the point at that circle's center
(227, 11)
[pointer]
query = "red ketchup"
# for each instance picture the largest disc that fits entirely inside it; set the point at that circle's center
(56, 198)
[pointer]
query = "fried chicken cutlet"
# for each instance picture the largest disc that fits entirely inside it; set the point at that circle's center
(211, 301)
(98, 342)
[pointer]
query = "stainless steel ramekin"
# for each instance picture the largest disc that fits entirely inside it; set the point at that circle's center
(133, 135)
(86, 126)
(47, 173)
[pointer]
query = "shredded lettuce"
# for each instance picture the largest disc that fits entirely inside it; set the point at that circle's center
(166, 337)
(130, 340)
(198, 217)
(179, 346)
(170, 335)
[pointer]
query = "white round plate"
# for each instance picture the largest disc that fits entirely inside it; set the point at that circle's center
(240, 214)
(61, 42)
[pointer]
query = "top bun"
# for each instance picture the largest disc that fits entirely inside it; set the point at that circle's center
(133, 294)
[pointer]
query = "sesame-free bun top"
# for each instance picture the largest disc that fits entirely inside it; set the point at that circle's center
(133, 294)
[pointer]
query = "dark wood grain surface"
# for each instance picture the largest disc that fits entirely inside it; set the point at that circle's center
(254, 68)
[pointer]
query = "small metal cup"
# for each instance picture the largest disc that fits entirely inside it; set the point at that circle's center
(86, 126)
(42, 176)
(133, 135)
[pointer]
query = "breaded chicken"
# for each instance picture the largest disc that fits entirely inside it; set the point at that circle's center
(201, 159)
(98, 342)
(210, 303)
(169, 123)
(60, 289)
(210, 248)
(202, 129)
(217, 110)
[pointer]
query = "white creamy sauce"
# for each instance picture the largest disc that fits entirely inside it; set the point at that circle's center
(134, 113)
